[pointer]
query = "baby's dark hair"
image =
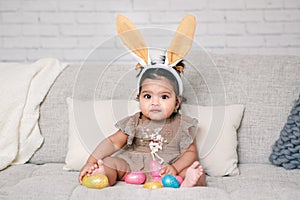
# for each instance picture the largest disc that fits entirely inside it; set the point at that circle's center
(157, 73)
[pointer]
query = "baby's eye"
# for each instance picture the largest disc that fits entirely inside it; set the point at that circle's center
(164, 96)
(147, 96)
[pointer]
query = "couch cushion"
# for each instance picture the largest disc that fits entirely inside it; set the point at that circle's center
(53, 120)
(49, 181)
(269, 173)
(137, 192)
(39, 182)
(12, 175)
(265, 180)
(267, 86)
(257, 189)
(260, 181)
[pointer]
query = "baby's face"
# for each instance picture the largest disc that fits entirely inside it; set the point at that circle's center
(157, 99)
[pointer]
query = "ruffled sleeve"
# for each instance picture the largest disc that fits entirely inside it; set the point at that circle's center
(188, 130)
(128, 126)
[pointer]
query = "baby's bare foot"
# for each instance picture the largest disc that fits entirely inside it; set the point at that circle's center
(98, 168)
(192, 175)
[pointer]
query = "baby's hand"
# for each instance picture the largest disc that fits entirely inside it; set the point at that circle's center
(168, 169)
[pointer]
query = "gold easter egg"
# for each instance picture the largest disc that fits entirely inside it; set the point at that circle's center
(152, 185)
(96, 181)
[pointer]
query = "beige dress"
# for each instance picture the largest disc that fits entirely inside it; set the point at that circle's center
(177, 133)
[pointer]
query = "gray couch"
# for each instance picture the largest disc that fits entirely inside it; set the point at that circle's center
(266, 85)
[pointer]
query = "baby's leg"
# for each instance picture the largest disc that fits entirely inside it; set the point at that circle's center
(114, 168)
(194, 176)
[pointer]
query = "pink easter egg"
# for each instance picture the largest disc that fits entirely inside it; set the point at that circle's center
(154, 167)
(179, 179)
(135, 178)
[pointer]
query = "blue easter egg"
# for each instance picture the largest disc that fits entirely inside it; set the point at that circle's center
(170, 181)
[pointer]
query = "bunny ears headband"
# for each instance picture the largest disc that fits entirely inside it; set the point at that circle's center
(179, 47)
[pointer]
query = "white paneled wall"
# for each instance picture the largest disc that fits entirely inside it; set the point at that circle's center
(70, 29)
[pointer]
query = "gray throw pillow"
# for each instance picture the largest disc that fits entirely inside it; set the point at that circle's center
(286, 150)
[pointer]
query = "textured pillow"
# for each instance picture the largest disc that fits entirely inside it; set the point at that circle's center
(217, 151)
(286, 150)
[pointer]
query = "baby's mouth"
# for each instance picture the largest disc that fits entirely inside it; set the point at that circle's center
(155, 110)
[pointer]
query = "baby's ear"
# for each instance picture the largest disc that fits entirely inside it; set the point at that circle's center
(137, 97)
(178, 101)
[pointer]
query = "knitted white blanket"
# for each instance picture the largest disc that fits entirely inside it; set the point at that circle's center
(22, 89)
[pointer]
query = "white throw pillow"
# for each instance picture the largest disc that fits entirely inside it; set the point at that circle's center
(217, 137)
(92, 121)
(89, 123)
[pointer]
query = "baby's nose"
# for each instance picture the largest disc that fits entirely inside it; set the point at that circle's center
(155, 100)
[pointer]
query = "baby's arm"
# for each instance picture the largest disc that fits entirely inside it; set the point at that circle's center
(186, 159)
(110, 145)
(106, 148)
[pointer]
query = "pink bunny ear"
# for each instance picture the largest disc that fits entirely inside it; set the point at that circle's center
(132, 38)
(182, 41)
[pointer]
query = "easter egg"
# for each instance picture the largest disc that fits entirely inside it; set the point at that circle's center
(170, 181)
(96, 181)
(154, 167)
(135, 178)
(152, 185)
